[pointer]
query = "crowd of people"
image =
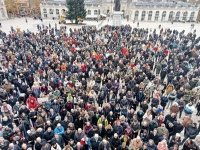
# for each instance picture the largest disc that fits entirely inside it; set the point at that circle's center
(117, 88)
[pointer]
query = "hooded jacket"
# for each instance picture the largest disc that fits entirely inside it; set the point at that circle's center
(32, 102)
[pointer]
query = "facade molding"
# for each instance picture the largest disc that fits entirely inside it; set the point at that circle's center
(167, 9)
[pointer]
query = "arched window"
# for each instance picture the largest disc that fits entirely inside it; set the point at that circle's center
(164, 15)
(95, 12)
(170, 16)
(192, 16)
(157, 15)
(136, 15)
(150, 16)
(44, 11)
(89, 12)
(185, 14)
(57, 11)
(143, 15)
(51, 11)
(178, 16)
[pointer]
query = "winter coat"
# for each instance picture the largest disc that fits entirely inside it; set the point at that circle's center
(191, 132)
(95, 143)
(115, 143)
(59, 130)
(151, 147)
(172, 96)
(118, 129)
(32, 103)
(188, 146)
(104, 123)
(154, 102)
(103, 146)
(181, 104)
(48, 135)
(164, 100)
(140, 96)
(78, 136)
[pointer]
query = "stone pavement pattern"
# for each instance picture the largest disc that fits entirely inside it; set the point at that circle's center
(31, 25)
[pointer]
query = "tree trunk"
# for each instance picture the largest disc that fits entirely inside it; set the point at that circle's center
(76, 21)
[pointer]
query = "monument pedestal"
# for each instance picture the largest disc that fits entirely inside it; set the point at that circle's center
(117, 18)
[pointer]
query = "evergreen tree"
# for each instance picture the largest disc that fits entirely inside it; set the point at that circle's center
(76, 10)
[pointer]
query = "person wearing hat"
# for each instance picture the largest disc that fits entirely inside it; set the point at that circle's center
(59, 129)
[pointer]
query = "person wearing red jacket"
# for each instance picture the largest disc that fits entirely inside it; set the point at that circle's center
(31, 102)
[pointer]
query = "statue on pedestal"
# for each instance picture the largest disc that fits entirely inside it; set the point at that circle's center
(117, 5)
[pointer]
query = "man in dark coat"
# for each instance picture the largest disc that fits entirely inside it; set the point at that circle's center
(95, 141)
(169, 122)
(115, 141)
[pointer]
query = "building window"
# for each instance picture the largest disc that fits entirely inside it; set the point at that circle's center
(89, 12)
(108, 11)
(44, 11)
(171, 16)
(163, 15)
(157, 15)
(178, 16)
(192, 16)
(57, 11)
(95, 12)
(185, 14)
(150, 16)
(143, 15)
(51, 11)
(45, 15)
(136, 15)
(99, 12)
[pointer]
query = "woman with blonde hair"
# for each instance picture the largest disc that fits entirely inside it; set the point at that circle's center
(136, 144)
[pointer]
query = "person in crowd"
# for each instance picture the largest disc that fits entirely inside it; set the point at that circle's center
(113, 88)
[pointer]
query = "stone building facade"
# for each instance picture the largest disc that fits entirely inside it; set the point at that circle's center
(134, 10)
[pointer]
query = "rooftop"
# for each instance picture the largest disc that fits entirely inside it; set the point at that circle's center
(134, 3)
(53, 2)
